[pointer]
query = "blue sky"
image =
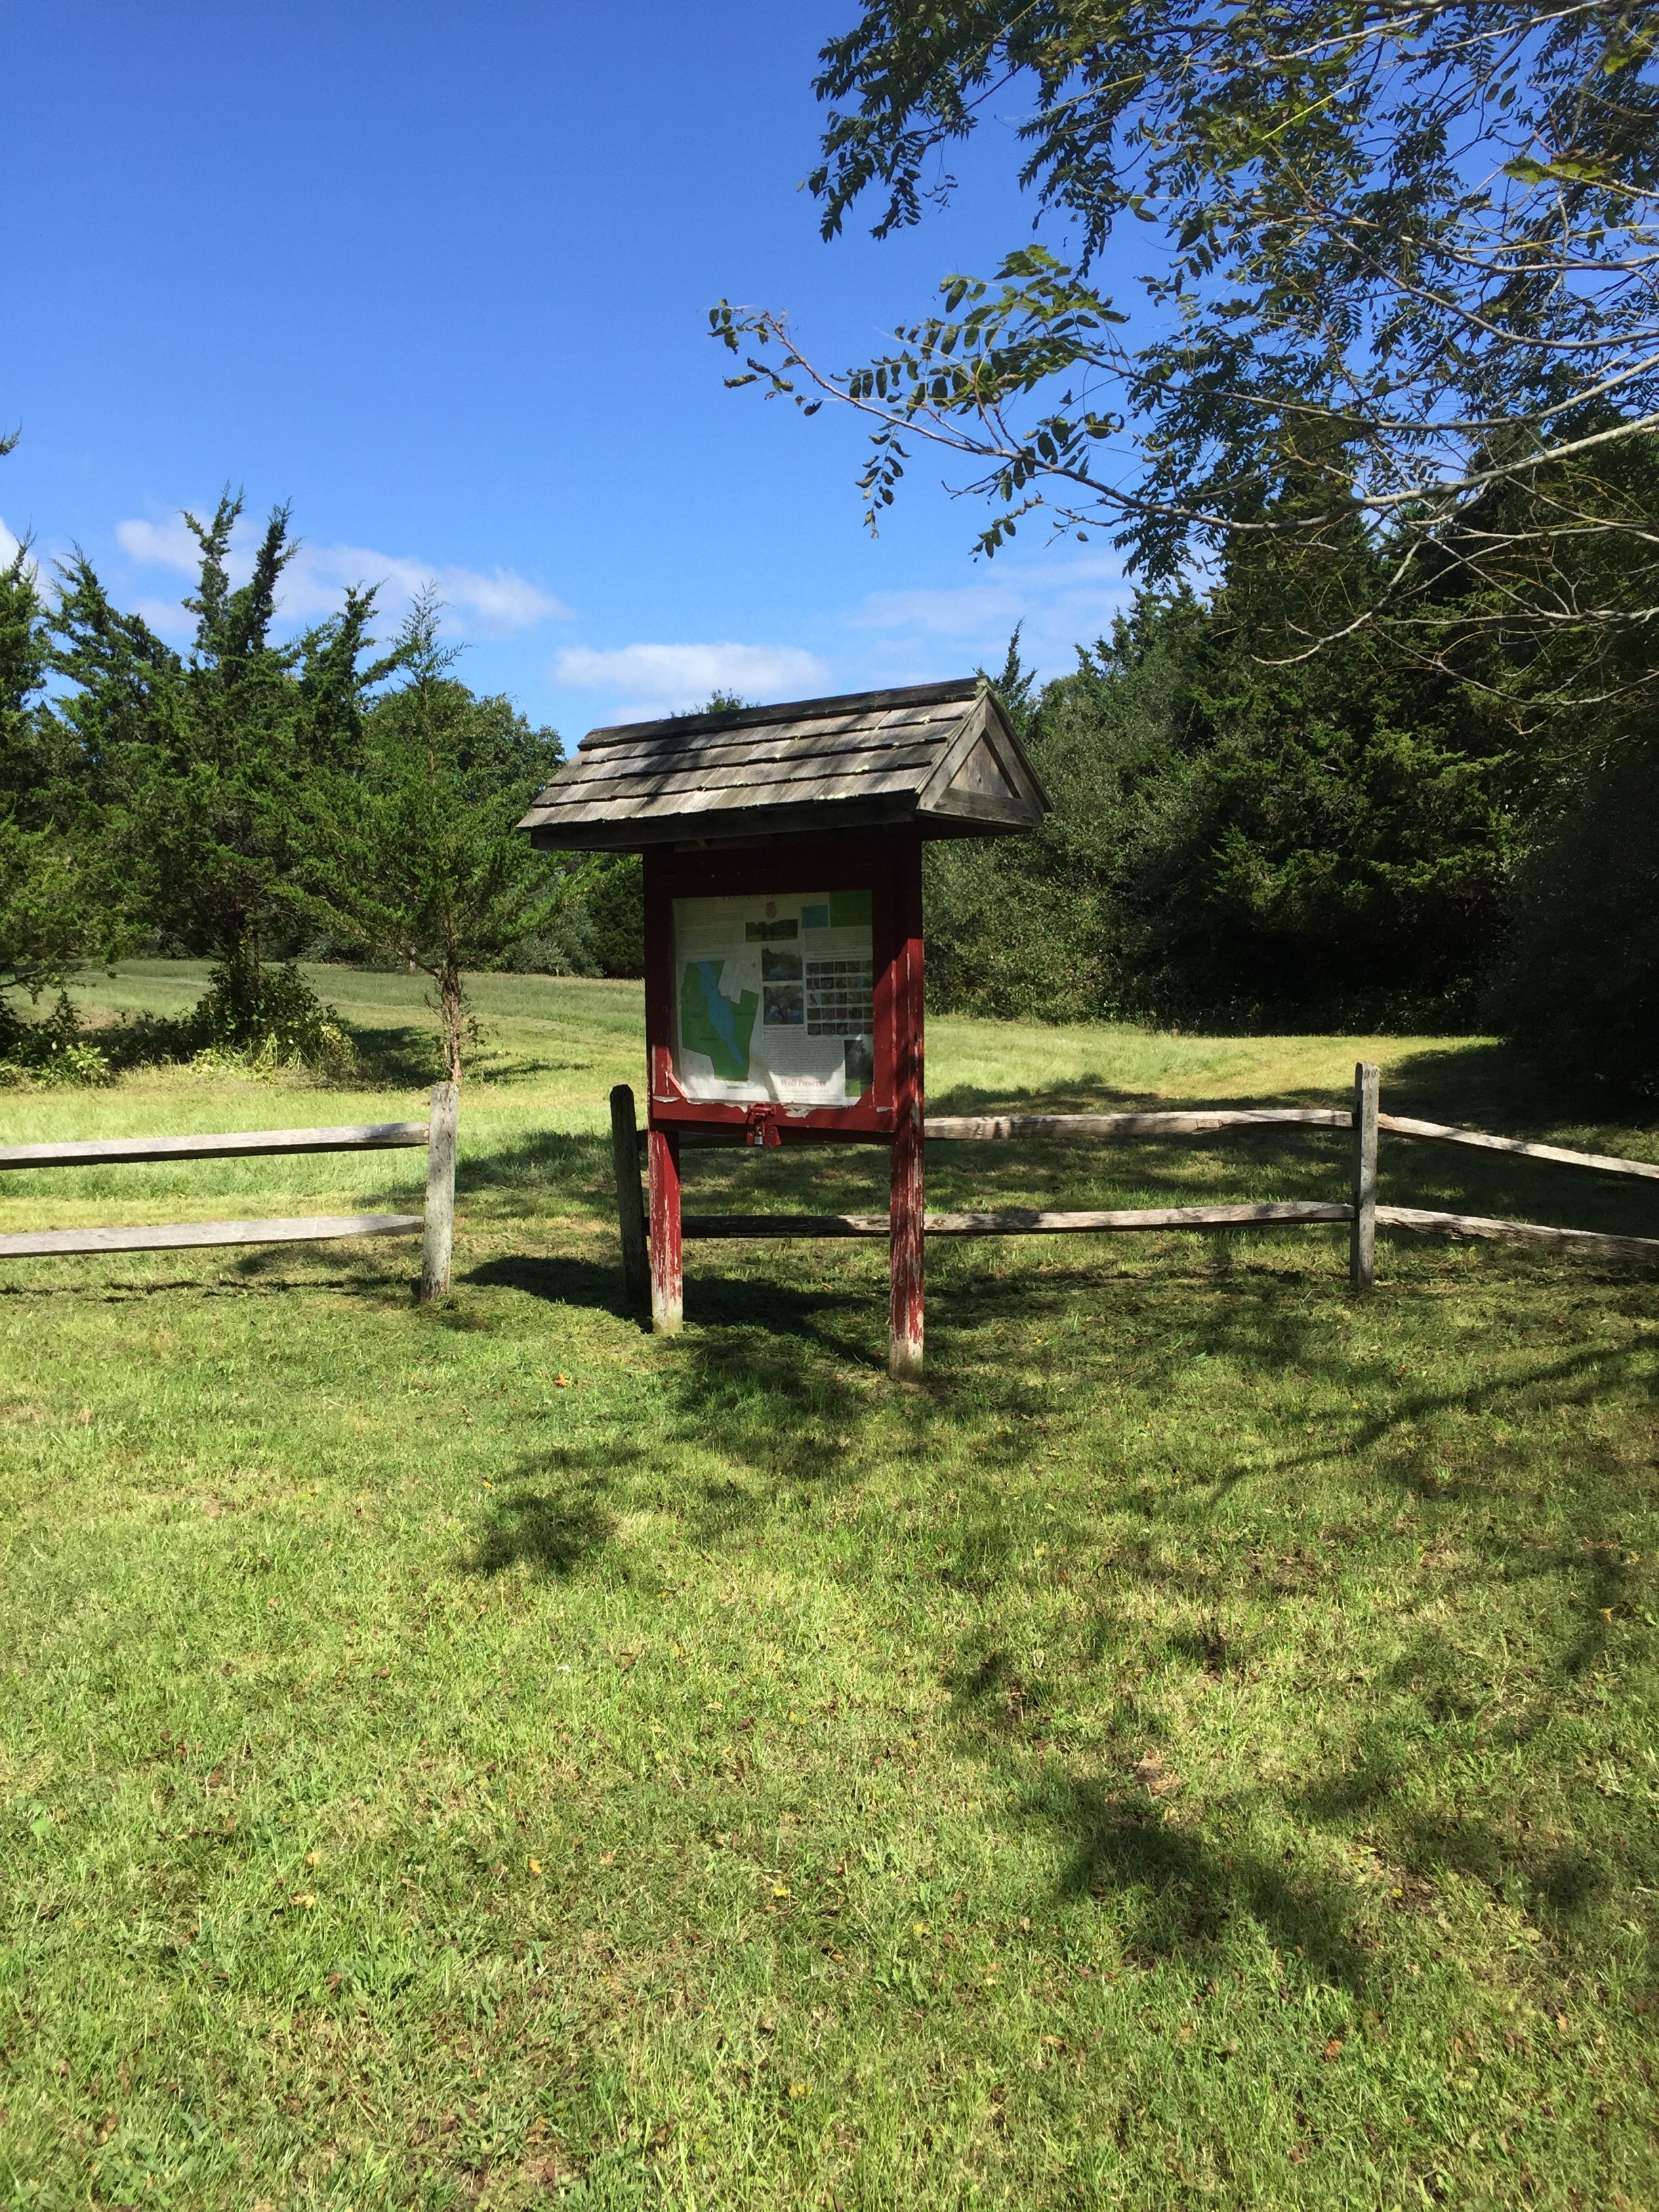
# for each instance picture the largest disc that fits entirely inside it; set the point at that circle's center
(439, 276)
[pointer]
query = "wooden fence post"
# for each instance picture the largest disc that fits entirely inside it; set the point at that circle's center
(668, 1276)
(438, 1234)
(630, 1196)
(1362, 1240)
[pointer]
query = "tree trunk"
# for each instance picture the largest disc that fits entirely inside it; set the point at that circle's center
(452, 1015)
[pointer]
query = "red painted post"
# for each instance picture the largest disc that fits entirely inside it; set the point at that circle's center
(907, 1198)
(667, 1271)
(662, 1145)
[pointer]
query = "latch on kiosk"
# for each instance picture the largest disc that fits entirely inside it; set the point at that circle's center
(760, 1126)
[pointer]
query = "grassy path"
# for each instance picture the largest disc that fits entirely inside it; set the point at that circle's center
(1199, 1748)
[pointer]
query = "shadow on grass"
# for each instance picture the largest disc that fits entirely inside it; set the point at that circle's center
(1185, 1891)
(553, 1531)
(1181, 1889)
(1562, 1885)
(398, 1057)
(235, 1279)
(775, 1396)
(793, 1316)
(576, 1166)
(773, 1399)
(562, 1282)
(766, 1381)
(1503, 1088)
(1470, 1457)
(790, 1418)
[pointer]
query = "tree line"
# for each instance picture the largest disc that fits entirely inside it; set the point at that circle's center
(1356, 842)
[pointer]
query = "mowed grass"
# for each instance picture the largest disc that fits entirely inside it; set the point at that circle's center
(1197, 1748)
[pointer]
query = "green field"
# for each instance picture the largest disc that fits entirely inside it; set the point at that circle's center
(1197, 1748)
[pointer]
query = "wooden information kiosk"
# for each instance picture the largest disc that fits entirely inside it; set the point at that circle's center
(783, 938)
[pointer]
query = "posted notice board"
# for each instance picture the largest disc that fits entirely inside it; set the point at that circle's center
(773, 998)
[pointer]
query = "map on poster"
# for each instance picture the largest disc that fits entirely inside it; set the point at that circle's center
(773, 998)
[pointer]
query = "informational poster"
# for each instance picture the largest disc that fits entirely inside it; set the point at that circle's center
(773, 998)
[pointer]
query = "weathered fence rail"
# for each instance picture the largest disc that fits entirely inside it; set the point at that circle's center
(1018, 1221)
(1105, 1128)
(1362, 1209)
(435, 1227)
(233, 1145)
(1438, 1133)
(1594, 1244)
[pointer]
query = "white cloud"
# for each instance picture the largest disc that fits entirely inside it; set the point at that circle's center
(168, 545)
(663, 679)
(494, 605)
(959, 610)
(503, 599)
(166, 618)
(490, 606)
(1058, 605)
(893, 638)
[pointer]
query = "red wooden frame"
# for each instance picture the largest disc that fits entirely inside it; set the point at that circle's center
(887, 863)
(882, 863)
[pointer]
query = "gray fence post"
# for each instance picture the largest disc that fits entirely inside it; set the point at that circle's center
(438, 1235)
(630, 1197)
(1362, 1241)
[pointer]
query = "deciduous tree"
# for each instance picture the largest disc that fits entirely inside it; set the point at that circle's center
(415, 855)
(1400, 325)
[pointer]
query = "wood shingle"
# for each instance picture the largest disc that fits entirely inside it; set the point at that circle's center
(942, 756)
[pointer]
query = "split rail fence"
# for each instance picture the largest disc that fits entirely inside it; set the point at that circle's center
(435, 1226)
(1361, 1210)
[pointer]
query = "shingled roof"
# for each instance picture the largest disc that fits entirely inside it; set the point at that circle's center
(942, 756)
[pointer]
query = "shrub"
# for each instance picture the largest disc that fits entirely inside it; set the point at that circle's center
(273, 1019)
(53, 1052)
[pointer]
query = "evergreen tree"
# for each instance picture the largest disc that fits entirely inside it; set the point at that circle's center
(196, 763)
(1579, 974)
(22, 674)
(1233, 843)
(56, 909)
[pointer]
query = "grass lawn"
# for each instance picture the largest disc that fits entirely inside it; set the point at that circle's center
(1197, 1748)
